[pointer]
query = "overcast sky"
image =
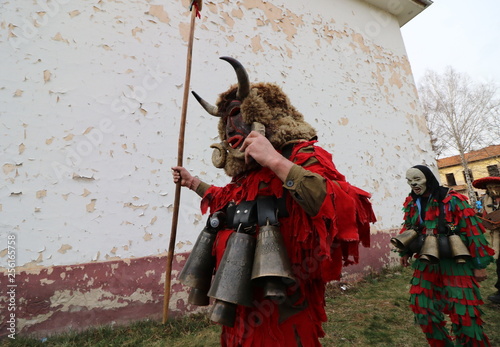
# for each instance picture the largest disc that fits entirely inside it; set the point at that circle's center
(464, 34)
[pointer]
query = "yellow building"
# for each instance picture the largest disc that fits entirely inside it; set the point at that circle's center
(482, 163)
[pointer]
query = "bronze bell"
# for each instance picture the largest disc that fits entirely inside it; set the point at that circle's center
(459, 251)
(232, 282)
(416, 245)
(444, 246)
(271, 266)
(403, 240)
(223, 312)
(198, 297)
(198, 270)
(430, 251)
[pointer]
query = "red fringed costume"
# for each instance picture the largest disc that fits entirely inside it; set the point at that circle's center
(317, 246)
(448, 287)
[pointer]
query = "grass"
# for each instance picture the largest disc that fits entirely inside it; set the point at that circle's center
(192, 331)
(372, 312)
(375, 312)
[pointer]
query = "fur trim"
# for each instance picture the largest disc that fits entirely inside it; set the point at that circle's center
(266, 104)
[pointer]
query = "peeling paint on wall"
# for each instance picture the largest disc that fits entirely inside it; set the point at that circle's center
(90, 111)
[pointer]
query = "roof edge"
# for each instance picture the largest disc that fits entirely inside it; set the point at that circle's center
(492, 151)
(403, 10)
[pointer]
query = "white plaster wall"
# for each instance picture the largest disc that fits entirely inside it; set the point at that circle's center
(90, 103)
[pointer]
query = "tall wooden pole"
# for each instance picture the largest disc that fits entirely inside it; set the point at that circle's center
(180, 154)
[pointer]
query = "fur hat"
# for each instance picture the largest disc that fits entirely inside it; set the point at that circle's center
(267, 104)
(264, 103)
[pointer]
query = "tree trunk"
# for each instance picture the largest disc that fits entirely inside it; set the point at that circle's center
(468, 180)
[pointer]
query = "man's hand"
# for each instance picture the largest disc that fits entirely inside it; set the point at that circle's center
(480, 274)
(186, 179)
(259, 148)
(404, 260)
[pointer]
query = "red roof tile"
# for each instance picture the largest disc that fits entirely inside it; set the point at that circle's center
(481, 154)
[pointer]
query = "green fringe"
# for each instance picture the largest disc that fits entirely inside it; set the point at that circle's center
(450, 267)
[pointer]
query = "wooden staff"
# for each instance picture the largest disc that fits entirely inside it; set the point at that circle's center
(180, 153)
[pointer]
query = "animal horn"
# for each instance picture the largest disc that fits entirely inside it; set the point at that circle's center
(211, 109)
(241, 73)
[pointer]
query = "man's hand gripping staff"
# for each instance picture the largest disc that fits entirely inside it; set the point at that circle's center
(180, 173)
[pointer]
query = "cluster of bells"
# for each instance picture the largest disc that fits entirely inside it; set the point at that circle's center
(431, 247)
(246, 262)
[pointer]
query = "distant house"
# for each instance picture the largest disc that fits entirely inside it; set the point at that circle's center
(482, 163)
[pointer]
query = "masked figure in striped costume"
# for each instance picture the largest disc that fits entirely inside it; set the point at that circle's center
(446, 273)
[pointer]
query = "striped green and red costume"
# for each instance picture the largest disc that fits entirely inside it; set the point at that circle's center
(448, 287)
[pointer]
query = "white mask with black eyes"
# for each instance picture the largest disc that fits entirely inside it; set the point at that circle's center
(417, 181)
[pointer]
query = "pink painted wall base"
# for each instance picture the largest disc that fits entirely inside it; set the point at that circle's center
(72, 298)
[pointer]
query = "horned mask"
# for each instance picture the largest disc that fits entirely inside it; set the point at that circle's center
(243, 106)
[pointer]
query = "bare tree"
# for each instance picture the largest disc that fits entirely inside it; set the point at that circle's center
(494, 123)
(459, 114)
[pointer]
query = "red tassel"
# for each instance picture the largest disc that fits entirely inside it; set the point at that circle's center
(318, 246)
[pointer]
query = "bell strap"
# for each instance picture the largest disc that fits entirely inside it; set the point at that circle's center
(267, 210)
(442, 229)
(245, 217)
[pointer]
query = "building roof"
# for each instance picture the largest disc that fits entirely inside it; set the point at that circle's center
(404, 10)
(481, 154)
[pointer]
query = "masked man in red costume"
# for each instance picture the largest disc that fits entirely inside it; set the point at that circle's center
(280, 180)
(446, 276)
